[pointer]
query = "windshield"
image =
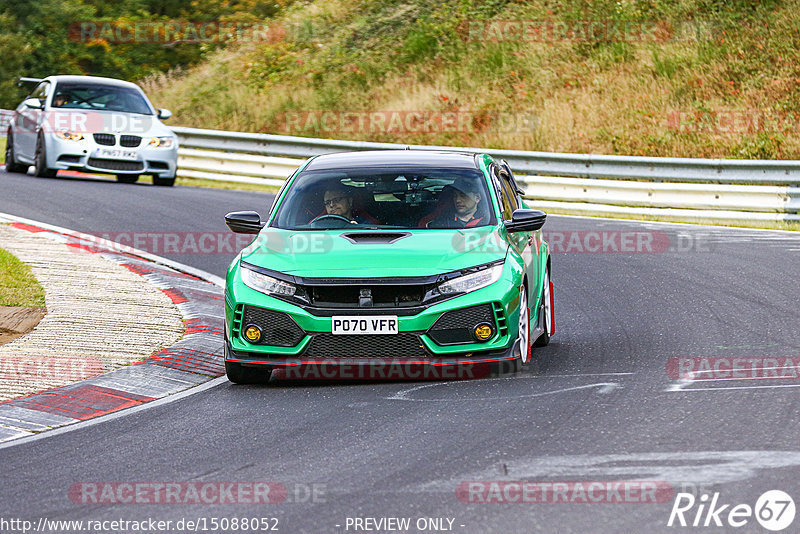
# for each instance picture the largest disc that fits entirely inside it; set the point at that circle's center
(100, 98)
(403, 198)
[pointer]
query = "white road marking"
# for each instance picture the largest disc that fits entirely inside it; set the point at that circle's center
(774, 386)
(115, 415)
(214, 279)
(586, 374)
(604, 387)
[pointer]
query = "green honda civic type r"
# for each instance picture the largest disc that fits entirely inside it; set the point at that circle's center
(413, 258)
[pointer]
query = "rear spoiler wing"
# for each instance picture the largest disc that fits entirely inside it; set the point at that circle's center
(23, 80)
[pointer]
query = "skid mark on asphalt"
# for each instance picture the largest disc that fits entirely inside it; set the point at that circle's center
(602, 387)
(684, 384)
(700, 468)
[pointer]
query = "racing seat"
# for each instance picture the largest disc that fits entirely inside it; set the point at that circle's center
(444, 203)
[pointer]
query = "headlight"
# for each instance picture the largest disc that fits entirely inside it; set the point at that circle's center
(72, 136)
(266, 284)
(472, 281)
(165, 142)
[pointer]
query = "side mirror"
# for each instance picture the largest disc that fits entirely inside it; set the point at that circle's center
(244, 222)
(525, 220)
(33, 103)
(163, 114)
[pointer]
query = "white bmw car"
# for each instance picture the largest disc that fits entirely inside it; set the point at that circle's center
(91, 124)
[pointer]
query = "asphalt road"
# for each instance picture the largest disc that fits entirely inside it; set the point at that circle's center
(601, 403)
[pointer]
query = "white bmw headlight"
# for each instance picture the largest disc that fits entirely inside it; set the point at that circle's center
(472, 281)
(164, 142)
(266, 284)
(71, 136)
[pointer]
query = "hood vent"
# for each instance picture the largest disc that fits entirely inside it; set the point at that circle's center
(374, 238)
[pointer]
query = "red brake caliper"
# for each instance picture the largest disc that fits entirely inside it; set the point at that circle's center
(552, 310)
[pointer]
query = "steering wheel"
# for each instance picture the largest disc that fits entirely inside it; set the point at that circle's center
(332, 217)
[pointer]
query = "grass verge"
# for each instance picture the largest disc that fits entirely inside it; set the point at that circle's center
(18, 286)
(765, 225)
(704, 78)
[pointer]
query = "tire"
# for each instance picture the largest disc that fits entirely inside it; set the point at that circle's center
(11, 161)
(509, 367)
(546, 312)
(239, 374)
(40, 161)
(127, 178)
(163, 182)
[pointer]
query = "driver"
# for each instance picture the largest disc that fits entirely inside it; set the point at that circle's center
(59, 101)
(466, 200)
(339, 201)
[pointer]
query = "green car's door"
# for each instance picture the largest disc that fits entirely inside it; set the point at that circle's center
(526, 244)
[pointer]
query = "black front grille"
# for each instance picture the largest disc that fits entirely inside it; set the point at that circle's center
(456, 326)
(69, 159)
(115, 164)
(349, 296)
(401, 346)
(277, 328)
(130, 140)
(104, 139)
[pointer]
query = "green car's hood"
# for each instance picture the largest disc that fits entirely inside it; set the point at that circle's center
(328, 253)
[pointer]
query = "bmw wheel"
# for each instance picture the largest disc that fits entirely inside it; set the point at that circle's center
(127, 178)
(11, 161)
(40, 161)
(164, 182)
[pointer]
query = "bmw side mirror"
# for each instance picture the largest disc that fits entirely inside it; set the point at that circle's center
(525, 220)
(164, 114)
(244, 222)
(33, 103)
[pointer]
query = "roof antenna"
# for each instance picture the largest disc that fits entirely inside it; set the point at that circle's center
(407, 147)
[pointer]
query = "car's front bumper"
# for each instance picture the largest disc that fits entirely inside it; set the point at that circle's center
(85, 155)
(417, 341)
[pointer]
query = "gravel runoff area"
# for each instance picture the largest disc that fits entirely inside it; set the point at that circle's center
(100, 316)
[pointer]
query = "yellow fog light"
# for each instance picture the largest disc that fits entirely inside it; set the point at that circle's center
(252, 333)
(483, 331)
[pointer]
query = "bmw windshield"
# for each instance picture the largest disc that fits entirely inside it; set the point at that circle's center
(375, 198)
(98, 97)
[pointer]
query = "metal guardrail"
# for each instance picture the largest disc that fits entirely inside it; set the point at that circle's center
(763, 172)
(675, 188)
(714, 190)
(5, 118)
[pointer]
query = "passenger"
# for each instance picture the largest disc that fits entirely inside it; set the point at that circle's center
(467, 211)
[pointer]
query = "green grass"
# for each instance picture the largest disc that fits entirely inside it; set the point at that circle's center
(214, 184)
(763, 225)
(18, 286)
(603, 97)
